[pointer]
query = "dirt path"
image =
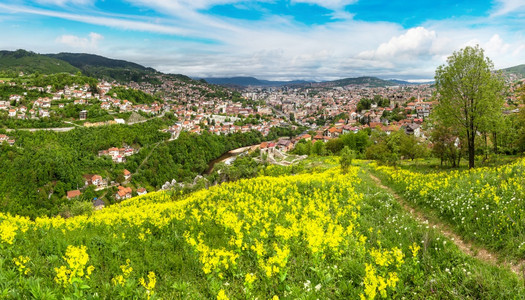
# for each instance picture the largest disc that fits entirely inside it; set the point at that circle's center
(466, 247)
(146, 158)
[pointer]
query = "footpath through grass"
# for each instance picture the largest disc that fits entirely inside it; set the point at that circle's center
(443, 272)
(485, 205)
(320, 234)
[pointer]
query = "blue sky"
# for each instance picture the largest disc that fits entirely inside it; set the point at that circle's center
(271, 39)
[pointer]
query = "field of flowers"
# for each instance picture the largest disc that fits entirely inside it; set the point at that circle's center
(485, 205)
(323, 235)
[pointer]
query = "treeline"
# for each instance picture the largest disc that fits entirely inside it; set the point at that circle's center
(506, 137)
(368, 144)
(186, 157)
(44, 165)
(60, 80)
(6, 91)
(365, 103)
(48, 122)
(357, 142)
(132, 95)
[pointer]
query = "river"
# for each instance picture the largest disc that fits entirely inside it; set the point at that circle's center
(225, 156)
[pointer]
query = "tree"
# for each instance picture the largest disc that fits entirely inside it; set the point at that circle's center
(334, 146)
(409, 146)
(347, 156)
(446, 144)
(470, 94)
(319, 148)
(385, 148)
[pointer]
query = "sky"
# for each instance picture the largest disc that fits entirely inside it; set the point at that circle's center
(271, 39)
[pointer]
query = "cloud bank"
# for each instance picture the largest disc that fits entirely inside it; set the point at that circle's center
(184, 37)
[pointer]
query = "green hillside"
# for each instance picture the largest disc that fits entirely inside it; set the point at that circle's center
(322, 234)
(518, 70)
(365, 81)
(30, 62)
(108, 69)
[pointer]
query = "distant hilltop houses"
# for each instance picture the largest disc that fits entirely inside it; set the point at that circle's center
(118, 155)
(198, 108)
(7, 139)
(100, 183)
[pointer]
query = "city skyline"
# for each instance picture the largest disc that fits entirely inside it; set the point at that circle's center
(275, 40)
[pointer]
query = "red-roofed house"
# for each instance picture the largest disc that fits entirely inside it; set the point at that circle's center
(127, 174)
(72, 194)
(123, 193)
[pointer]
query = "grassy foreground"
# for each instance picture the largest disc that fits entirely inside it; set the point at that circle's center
(484, 204)
(321, 234)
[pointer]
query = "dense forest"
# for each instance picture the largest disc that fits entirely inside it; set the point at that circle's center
(42, 166)
(186, 157)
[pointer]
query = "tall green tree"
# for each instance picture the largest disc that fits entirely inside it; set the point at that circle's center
(470, 94)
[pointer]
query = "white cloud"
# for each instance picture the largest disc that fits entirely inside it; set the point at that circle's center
(504, 7)
(87, 43)
(64, 2)
(415, 42)
(330, 4)
(113, 22)
(273, 46)
(496, 46)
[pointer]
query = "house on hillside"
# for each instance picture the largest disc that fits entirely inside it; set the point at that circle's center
(123, 193)
(94, 179)
(127, 174)
(413, 129)
(284, 145)
(73, 194)
(142, 191)
(98, 204)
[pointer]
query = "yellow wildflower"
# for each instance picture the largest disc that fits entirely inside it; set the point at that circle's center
(20, 263)
(7, 232)
(222, 295)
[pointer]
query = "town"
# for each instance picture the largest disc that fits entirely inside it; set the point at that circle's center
(322, 113)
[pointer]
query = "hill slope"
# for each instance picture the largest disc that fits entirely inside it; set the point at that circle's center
(363, 81)
(518, 70)
(106, 68)
(250, 81)
(30, 62)
(321, 235)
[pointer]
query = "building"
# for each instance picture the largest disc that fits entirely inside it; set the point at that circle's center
(83, 115)
(73, 194)
(98, 204)
(127, 174)
(123, 193)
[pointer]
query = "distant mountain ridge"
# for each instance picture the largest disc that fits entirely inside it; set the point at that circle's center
(250, 81)
(363, 81)
(124, 71)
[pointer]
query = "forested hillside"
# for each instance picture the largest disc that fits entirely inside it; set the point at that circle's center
(13, 62)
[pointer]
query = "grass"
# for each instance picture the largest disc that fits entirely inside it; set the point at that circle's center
(432, 165)
(483, 205)
(444, 272)
(318, 234)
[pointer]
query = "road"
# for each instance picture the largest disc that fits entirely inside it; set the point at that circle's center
(59, 129)
(64, 129)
